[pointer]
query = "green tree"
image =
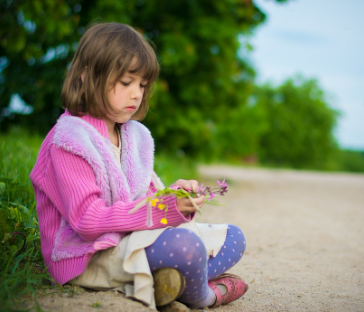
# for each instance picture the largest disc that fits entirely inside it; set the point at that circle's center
(239, 135)
(203, 80)
(301, 124)
(35, 41)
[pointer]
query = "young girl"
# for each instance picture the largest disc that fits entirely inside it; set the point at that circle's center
(96, 165)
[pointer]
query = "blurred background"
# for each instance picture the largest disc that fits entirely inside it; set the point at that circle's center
(276, 83)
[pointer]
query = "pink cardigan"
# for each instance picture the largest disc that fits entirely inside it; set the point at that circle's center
(83, 196)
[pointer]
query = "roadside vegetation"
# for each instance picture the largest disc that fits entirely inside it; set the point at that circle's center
(21, 266)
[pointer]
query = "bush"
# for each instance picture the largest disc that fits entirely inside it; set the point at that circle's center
(300, 125)
(349, 160)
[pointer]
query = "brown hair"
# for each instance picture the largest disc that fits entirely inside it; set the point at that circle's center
(106, 50)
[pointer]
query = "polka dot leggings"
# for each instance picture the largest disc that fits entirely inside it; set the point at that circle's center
(184, 250)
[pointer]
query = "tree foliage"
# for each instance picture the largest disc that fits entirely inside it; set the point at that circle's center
(35, 41)
(300, 124)
(196, 41)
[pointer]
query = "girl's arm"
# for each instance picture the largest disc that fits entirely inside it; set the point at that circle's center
(74, 192)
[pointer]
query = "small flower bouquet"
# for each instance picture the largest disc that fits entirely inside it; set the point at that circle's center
(157, 200)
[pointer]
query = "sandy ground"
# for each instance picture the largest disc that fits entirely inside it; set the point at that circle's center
(305, 249)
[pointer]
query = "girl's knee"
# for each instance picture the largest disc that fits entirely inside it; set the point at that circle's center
(186, 243)
(237, 236)
(180, 244)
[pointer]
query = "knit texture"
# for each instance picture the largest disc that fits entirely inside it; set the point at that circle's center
(84, 196)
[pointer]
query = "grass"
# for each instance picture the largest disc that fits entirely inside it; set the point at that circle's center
(21, 265)
(170, 169)
(351, 161)
(22, 270)
(341, 160)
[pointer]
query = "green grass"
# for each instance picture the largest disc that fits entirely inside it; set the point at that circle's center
(21, 265)
(170, 168)
(341, 161)
(22, 270)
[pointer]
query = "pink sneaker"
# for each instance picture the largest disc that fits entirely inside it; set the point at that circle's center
(234, 284)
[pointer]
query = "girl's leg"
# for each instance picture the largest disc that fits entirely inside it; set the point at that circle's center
(230, 253)
(183, 250)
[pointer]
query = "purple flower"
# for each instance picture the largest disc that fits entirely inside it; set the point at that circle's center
(222, 184)
(223, 191)
(201, 190)
(211, 192)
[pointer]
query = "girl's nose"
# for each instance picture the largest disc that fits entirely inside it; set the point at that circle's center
(137, 93)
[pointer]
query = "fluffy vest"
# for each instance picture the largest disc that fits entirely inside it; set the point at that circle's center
(128, 182)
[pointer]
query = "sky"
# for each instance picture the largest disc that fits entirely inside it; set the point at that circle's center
(321, 39)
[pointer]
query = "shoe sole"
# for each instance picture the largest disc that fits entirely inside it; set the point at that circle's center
(169, 284)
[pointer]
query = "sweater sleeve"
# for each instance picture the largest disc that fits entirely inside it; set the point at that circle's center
(71, 186)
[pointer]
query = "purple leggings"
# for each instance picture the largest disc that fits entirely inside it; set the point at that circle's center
(184, 250)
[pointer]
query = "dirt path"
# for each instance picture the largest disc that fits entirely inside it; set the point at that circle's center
(305, 249)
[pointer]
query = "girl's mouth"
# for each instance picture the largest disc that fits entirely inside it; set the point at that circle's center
(130, 108)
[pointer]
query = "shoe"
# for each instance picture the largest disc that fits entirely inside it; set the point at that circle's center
(169, 284)
(234, 284)
(175, 306)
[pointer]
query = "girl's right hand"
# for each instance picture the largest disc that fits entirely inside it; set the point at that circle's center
(184, 204)
(186, 207)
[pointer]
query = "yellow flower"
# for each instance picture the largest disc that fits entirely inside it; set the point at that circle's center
(154, 202)
(161, 206)
(164, 221)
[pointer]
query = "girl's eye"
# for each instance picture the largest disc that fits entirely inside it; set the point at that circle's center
(125, 84)
(143, 85)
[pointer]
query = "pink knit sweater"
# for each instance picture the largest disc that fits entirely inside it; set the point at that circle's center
(83, 198)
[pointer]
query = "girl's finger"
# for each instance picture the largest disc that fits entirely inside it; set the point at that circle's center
(194, 185)
(185, 185)
(199, 200)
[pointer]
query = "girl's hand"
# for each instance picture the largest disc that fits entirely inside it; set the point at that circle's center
(188, 185)
(184, 204)
(186, 207)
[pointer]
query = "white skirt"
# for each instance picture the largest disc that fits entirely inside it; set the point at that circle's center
(125, 267)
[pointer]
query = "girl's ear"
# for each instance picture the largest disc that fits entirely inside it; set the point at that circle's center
(83, 74)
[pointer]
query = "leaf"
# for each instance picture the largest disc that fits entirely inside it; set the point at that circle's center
(13, 250)
(2, 187)
(214, 202)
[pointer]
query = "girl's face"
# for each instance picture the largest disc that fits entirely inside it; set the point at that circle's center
(125, 97)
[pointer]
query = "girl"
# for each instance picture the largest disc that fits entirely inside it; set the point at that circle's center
(96, 165)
